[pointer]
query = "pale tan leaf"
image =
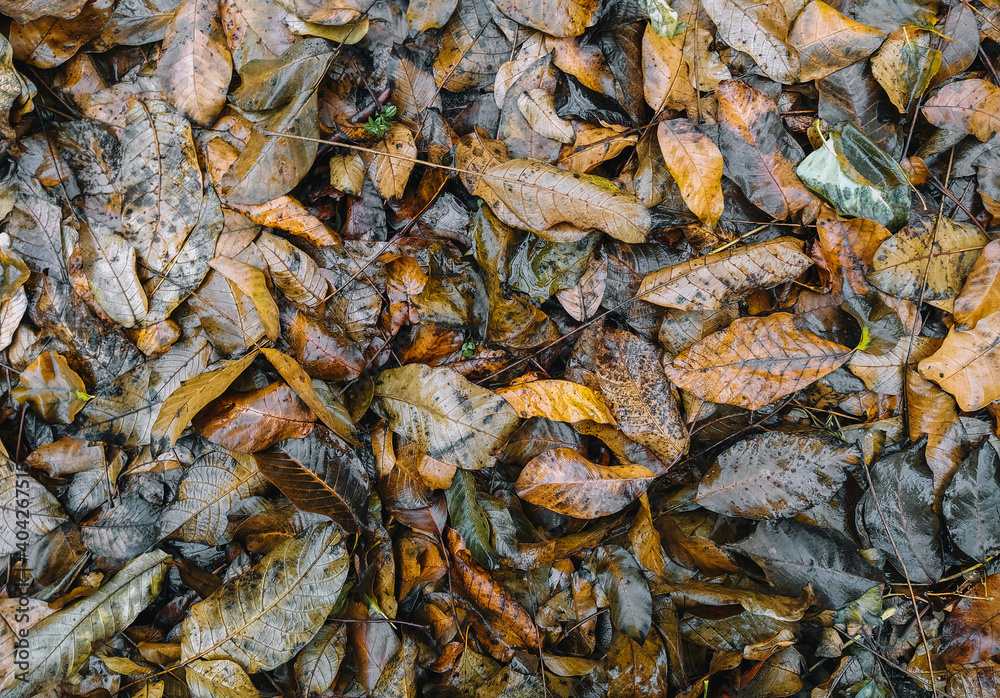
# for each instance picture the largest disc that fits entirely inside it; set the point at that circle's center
(253, 284)
(558, 400)
(828, 41)
(970, 106)
(109, 264)
(583, 300)
(968, 364)
(262, 618)
(390, 174)
(542, 195)
(709, 282)
(219, 678)
(254, 29)
(422, 15)
(755, 361)
(563, 481)
(666, 80)
(695, 163)
(760, 28)
(594, 145)
(195, 65)
(293, 271)
(191, 397)
(42, 513)
(444, 414)
(413, 91)
(531, 49)
(553, 17)
(210, 487)
(61, 643)
(981, 294)
(882, 371)
(909, 266)
(317, 664)
(347, 173)
(539, 110)
(348, 34)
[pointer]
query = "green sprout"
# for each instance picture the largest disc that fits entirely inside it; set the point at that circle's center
(380, 124)
(468, 349)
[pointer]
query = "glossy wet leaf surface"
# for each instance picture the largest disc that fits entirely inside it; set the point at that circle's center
(490, 347)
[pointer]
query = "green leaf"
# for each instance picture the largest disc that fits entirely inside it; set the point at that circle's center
(469, 518)
(858, 178)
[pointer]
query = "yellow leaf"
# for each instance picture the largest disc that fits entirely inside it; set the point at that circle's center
(558, 400)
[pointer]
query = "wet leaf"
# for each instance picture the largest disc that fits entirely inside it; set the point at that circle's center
(898, 517)
(972, 495)
(760, 29)
(261, 619)
(320, 474)
(210, 487)
(472, 48)
(927, 260)
(967, 365)
(759, 155)
(317, 664)
(709, 282)
(42, 513)
(828, 41)
(980, 295)
(794, 555)
(776, 475)
(542, 196)
(293, 272)
(970, 106)
(642, 400)
(858, 178)
(755, 361)
(561, 480)
(390, 174)
(469, 519)
(666, 80)
(905, 64)
(559, 400)
(195, 65)
(252, 421)
(61, 642)
(695, 163)
(971, 633)
(219, 677)
(552, 16)
(621, 578)
(52, 388)
(253, 284)
(445, 415)
(109, 264)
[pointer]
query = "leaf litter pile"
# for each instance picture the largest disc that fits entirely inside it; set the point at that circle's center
(499, 347)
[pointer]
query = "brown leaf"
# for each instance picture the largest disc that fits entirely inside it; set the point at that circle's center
(712, 281)
(971, 632)
(981, 294)
(553, 17)
(52, 388)
(50, 41)
(499, 607)
(909, 266)
(562, 481)
(968, 364)
(695, 163)
(472, 48)
(760, 156)
(255, 29)
(293, 271)
(583, 300)
(195, 64)
(252, 421)
(848, 248)
(755, 361)
(970, 106)
(390, 174)
(422, 15)
(559, 400)
(253, 284)
(828, 41)
(666, 81)
(760, 29)
(632, 381)
(905, 64)
(542, 196)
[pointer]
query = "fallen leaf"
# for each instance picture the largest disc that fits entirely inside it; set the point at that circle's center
(755, 361)
(564, 482)
(560, 400)
(695, 163)
(970, 106)
(760, 29)
(828, 41)
(710, 282)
